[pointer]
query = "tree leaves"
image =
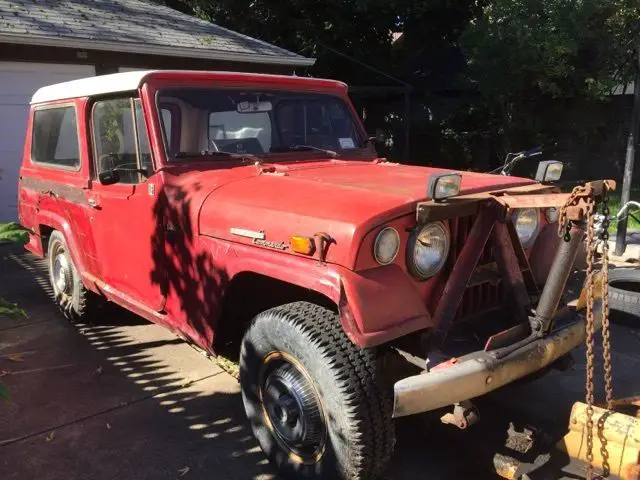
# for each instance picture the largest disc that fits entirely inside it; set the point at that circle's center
(11, 309)
(560, 48)
(524, 52)
(12, 232)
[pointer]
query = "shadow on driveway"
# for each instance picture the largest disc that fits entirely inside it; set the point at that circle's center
(126, 399)
(122, 399)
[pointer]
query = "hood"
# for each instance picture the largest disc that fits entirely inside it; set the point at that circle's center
(342, 199)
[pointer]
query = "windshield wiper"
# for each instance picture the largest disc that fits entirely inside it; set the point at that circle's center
(207, 153)
(202, 153)
(303, 148)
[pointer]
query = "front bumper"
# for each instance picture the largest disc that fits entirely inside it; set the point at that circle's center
(481, 372)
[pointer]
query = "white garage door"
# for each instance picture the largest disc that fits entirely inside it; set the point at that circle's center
(18, 82)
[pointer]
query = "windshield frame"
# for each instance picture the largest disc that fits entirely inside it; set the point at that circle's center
(360, 152)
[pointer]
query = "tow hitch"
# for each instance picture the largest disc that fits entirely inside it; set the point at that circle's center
(606, 439)
(463, 416)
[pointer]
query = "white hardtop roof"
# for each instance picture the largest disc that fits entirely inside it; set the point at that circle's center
(87, 87)
(125, 82)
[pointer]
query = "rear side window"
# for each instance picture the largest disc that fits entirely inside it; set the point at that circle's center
(55, 137)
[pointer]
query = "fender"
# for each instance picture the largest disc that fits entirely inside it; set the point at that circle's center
(380, 304)
(375, 305)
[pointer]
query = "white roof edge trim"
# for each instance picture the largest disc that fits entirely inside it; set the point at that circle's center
(86, 87)
(152, 49)
(126, 82)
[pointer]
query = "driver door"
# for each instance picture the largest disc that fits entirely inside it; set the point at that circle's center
(127, 235)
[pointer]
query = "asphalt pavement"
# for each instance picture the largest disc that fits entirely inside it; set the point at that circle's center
(126, 399)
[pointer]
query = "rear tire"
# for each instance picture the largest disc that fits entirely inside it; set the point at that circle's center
(624, 291)
(76, 303)
(317, 403)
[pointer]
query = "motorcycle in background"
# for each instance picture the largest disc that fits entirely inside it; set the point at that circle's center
(512, 159)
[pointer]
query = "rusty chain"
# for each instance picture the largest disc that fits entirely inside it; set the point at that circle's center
(589, 396)
(584, 204)
(606, 331)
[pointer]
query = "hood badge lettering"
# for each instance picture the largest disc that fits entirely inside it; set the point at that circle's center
(268, 244)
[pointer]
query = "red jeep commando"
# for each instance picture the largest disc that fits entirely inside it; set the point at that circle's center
(215, 203)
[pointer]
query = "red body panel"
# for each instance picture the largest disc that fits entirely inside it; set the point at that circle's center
(164, 248)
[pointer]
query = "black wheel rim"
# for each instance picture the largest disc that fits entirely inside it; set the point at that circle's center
(293, 409)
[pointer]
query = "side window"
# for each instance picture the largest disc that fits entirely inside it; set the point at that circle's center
(118, 145)
(55, 137)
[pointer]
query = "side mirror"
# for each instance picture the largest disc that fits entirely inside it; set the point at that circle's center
(109, 177)
(549, 171)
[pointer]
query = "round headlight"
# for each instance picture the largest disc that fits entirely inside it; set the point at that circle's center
(386, 246)
(526, 223)
(552, 214)
(428, 250)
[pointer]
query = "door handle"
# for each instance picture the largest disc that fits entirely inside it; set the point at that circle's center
(93, 202)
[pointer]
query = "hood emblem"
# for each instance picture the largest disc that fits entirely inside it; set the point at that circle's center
(244, 232)
(258, 238)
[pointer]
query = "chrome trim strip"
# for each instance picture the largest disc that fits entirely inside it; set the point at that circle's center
(243, 232)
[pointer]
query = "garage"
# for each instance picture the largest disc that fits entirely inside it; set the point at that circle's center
(18, 81)
(42, 43)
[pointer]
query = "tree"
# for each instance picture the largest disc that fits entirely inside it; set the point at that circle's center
(361, 29)
(522, 52)
(488, 75)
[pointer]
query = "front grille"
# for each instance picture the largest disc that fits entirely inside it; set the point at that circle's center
(485, 292)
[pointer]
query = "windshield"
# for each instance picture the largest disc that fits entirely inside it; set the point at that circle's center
(197, 121)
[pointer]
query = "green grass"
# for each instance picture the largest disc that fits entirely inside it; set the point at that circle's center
(615, 204)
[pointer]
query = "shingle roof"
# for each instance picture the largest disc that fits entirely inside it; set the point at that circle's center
(139, 26)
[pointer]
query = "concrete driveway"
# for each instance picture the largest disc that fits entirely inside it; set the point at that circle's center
(126, 399)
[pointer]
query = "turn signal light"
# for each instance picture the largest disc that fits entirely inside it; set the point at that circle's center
(304, 245)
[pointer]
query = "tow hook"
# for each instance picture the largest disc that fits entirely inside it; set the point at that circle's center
(463, 416)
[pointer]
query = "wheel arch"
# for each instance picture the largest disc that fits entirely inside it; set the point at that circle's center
(50, 222)
(249, 293)
(375, 305)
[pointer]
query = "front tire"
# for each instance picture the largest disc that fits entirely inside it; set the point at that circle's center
(75, 301)
(316, 402)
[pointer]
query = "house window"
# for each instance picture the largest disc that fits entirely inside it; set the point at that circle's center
(55, 137)
(121, 142)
